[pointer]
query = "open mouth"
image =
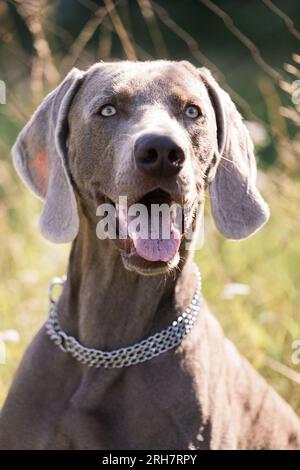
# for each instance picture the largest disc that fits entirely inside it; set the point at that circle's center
(150, 231)
(155, 237)
(155, 228)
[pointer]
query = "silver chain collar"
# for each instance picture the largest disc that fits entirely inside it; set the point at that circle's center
(142, 351)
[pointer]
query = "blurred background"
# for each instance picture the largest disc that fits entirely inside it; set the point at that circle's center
(253, 49)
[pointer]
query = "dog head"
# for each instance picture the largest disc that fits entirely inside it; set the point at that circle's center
(155, 132)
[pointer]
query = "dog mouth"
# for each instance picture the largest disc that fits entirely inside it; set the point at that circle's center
(155, 237)
(150, 231)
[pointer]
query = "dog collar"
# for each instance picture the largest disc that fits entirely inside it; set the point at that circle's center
(142, 351)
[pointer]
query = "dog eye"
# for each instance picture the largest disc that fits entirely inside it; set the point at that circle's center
(108, 110)
(192, 111)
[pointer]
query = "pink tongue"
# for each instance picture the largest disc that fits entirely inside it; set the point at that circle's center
(156, 248)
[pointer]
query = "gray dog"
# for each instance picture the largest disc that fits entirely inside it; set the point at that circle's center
(156, 132)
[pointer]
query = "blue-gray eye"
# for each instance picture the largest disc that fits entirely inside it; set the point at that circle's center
(108, 110)
(192, 111)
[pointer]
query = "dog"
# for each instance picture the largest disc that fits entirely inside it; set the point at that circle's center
(155, 132)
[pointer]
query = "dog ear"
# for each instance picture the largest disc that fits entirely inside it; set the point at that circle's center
(40, 157)
(237, 206)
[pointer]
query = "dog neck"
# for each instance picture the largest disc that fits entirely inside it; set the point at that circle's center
(106, 306)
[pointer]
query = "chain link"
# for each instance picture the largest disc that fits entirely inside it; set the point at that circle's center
(143, 351)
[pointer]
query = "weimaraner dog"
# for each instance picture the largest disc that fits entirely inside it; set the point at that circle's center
(155, 132)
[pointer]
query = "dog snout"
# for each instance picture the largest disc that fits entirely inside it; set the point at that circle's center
(158, 155)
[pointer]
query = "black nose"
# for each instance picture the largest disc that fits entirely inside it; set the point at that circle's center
(158, 155)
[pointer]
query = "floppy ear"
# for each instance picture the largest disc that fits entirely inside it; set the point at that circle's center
(237, 206)
(39, 156)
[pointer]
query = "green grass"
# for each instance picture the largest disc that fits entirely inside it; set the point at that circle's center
(262, 324)
(27, 264)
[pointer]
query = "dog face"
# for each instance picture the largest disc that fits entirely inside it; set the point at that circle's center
(149, 105)
(156, 132)
(146, 131)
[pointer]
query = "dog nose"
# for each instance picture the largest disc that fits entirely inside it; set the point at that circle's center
(158, 155)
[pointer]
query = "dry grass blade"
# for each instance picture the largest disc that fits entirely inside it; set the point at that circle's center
(42, 66)
(283, 370)
(85, 35)
(227, 20)
(285, 86)
(292, 70)
(296, 58)
(287, 20)
(120, 30)
(188, 39)
(155, 33)
(290, 113)
(92, 6)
